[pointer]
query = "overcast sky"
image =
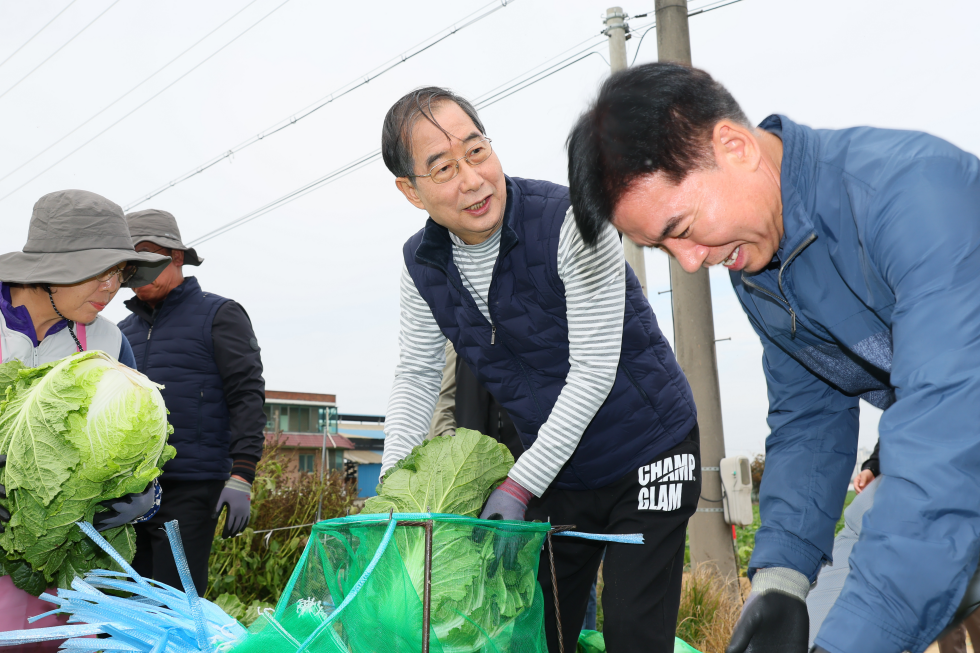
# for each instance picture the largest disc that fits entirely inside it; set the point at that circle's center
(319, 276)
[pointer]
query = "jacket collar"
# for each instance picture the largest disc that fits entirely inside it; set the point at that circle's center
(143, 310)
(17, 318)
(795, 179)
(436, 248)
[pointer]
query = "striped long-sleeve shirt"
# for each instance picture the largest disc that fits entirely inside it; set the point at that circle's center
(595, 294)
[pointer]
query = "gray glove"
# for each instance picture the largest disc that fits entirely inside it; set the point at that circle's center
(509, 502)
(774, 618)
(4, 513)
(237, 495)
(125, 509)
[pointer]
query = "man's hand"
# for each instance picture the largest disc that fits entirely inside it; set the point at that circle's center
(4, 513)
(125, 509)
(774, 619)
(509, 502)
(861, 480)
(237, 495)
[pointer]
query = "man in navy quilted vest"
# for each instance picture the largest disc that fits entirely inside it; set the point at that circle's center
(855, 254)
(201, 347)
(561, 335)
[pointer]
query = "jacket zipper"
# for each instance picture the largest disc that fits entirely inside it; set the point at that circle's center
(146, 350)
(779, 279)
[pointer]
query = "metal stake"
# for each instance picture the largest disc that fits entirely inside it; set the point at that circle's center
(427, 589)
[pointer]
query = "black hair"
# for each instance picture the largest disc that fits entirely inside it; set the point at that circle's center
(396, 134)
(653, 118)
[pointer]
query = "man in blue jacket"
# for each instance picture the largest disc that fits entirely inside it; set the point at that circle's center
(856, 255)
(202, 349)
(561, 335)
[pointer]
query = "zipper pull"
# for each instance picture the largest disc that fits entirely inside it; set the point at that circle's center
(148, 333)
(493, 334)
(793, 328)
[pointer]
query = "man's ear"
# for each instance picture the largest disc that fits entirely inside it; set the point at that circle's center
(177, 257)
(736, 145)
(410, 192)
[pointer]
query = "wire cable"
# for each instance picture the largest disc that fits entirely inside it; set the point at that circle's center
(488, 99)
(145, 102)
(362, 80)
(129, 92)
(357, 164)
(36, 34)
(711, 6)
(63, 46)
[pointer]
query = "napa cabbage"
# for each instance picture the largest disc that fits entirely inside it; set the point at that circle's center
(76, 432)
(483, 582)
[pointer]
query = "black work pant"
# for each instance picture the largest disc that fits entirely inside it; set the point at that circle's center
(642, 588)
(191, 503)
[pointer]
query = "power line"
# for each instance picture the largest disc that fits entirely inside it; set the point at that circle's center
(711, 6)
(127, 93)
(487, 99)
(367, 159)
(63, 46)
(362, 80)
(36, 34)
(153, 97)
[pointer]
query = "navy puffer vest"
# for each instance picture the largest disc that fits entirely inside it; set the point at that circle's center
(176, 351)
(650, 408)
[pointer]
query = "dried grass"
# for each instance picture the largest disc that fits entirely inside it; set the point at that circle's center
(709, 608)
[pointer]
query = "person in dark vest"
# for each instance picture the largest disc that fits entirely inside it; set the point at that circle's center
(202, 349)
(562, 337)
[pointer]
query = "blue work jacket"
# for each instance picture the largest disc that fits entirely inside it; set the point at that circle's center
(874, 293)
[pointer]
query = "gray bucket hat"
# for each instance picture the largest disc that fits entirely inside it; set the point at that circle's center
(160, 228)
(73, 236)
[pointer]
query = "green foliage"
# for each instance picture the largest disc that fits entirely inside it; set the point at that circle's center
(76, 432)
(255, 568)
(235, 609)
(452, 475)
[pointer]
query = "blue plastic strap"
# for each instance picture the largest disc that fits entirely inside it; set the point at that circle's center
(96, 537)
(632, 538)
(32, 635)
(173, 533)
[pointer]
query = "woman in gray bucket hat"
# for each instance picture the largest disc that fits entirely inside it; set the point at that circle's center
(78, 254)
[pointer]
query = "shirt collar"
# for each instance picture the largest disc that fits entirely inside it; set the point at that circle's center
(19, 319)
(795, 180)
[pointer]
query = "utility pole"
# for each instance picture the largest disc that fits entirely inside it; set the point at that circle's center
(694, 342)
(616, 31)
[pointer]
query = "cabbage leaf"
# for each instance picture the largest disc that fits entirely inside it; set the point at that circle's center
(76, 432)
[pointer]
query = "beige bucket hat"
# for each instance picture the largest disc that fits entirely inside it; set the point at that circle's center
(160, 228)
(73, 236)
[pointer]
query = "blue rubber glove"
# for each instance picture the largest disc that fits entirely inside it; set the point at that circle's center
(4, 513)
(237, 495)
(774, 618)
(125, 509)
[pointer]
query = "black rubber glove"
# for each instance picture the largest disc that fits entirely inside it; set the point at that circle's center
(771, 623)
(4, 513)
(124, 510)
(237, 495)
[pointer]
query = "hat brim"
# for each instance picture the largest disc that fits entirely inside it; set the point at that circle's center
(190, 254)
(67, 268)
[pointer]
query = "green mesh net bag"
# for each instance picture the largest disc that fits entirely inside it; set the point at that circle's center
(360, 587)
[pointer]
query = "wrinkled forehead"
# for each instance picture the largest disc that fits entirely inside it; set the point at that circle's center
(447, 128)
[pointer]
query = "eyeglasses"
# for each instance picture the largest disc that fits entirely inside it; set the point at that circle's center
(447, 170)
(124, 273)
